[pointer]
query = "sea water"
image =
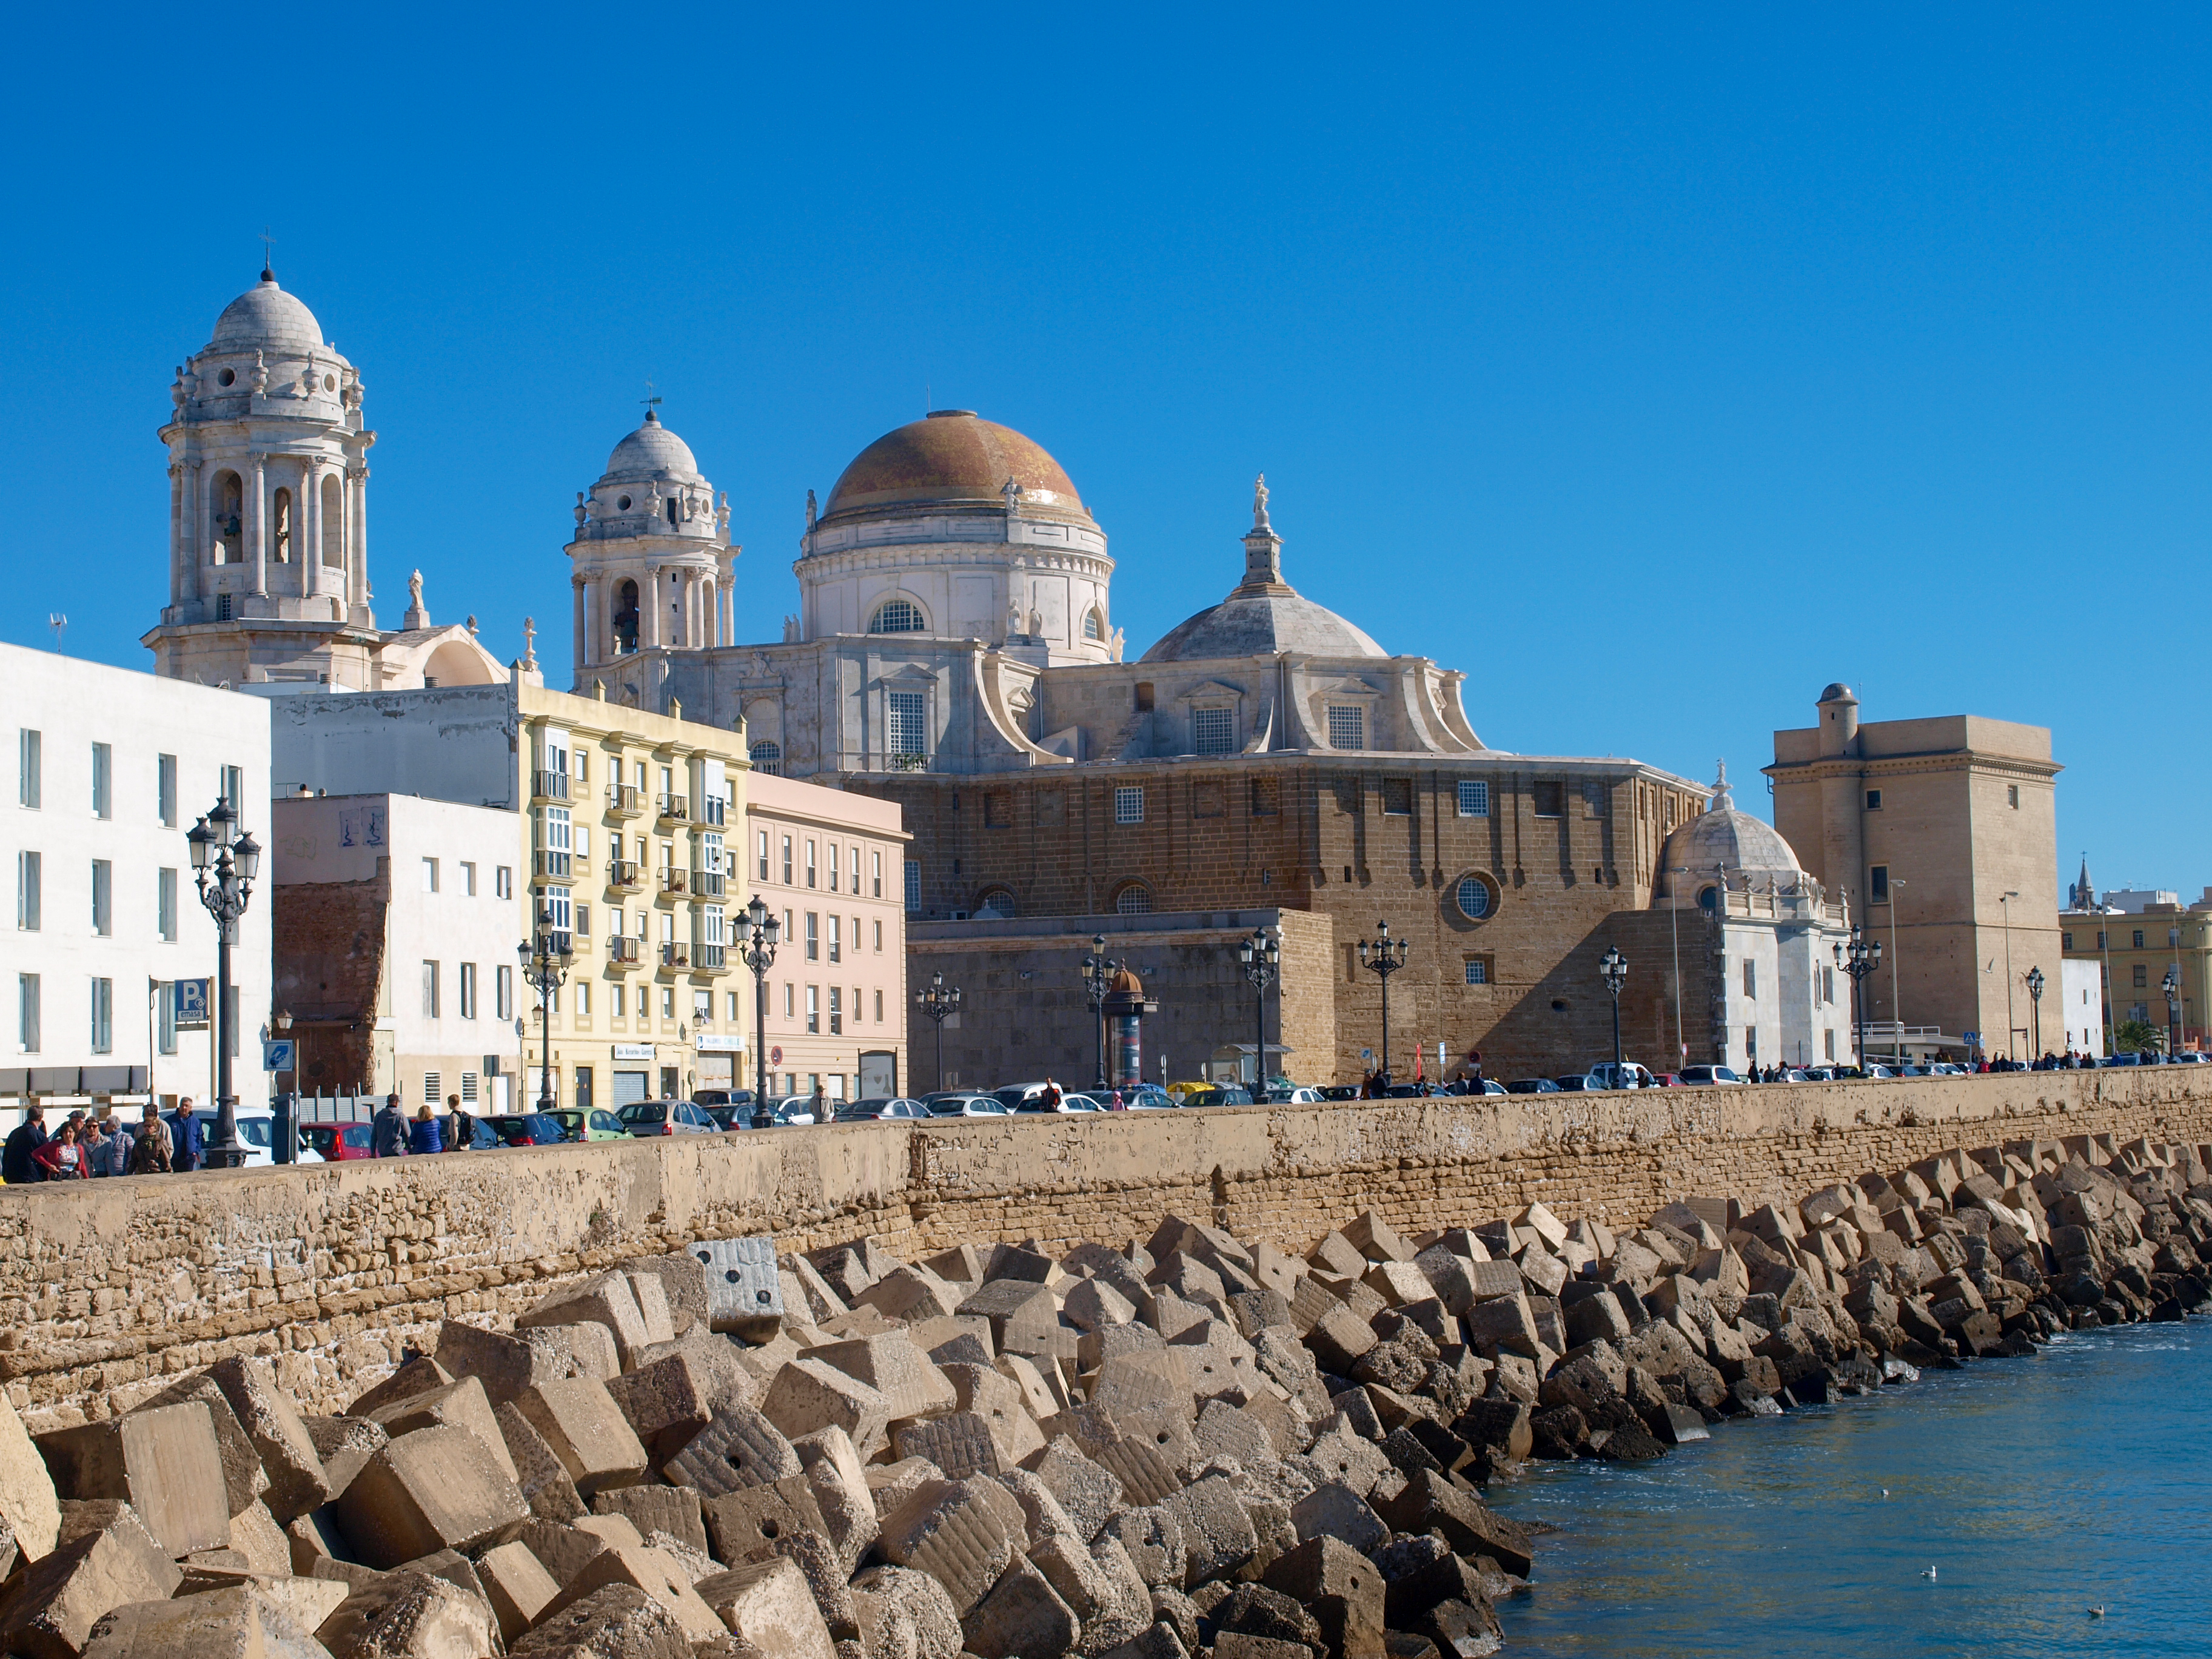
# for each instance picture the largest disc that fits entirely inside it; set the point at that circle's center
(2036, 1489)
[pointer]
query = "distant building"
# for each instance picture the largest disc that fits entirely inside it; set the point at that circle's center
(2131, 952)
(2081, 1006)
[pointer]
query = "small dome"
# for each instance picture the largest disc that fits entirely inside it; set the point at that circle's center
(1258, 625)
(1837, 692)
(951, 458)
(1722, 837)
(1126, 981)
(651, 452)
(266, 317)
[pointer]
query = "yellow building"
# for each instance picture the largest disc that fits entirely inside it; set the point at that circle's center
(2135, 951)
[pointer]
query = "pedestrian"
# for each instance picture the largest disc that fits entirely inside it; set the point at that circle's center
(388, 1138)
(187, 1146)
(62, 1158)
(150, 1150)
(819, 1106)
(111, 1155)
(1475, 1071)
(1051, 1095)
(17, 1164)
(424, 1137)
(460, 1127)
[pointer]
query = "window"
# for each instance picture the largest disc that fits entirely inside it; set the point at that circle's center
(2141, 976)
(730, 1013)
(768, 759)
(617, 1001)
(103, 782)
(430, 875)
(1130, 806)
(1478, 970)
(1347, 727)
(165, 905)
(503, 992)
(2066, 941)
(165, 1018)
(1547, 800)
(879, 1007)
(836, 938)
(584, 919)
(880, 939)
(165, 789)
(1874, 800)
(2139, 944)
(2100, 939)
(813, 937)
(913, 886)
(760, 849)
(29, 885)
(1827, 985)
(896, 616)
(1474, 799)
(876, 877)
(468, 1088)
(502, 882)
(27, 1013)
(907, 731)
(583, 996)
(814, 1010)
(997, 903)
(1750, 977)
(1092, 628)
(103, 1016)
(553, 841)
(468, 990)
(233, 792)
(833, 867)
(28, 768)
(1474, 896)
(1830, 1037)
(1134, 900)
(1397, 798)
(787, 860)
(1878, 884)
(1213, 731)
(468, 878)
(2140, 1011)
(2012, 795)
(103, 897)
(431, 1083)
(788, 994)
(836, 1010)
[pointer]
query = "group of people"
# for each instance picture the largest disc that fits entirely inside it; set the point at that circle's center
(85, 1146)
(394, 1134)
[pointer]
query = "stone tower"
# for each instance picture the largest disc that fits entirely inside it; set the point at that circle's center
(268, 506)
(650, 564)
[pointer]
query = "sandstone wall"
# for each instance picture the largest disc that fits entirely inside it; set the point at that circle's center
(113, 1286)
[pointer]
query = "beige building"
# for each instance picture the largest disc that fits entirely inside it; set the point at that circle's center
(831, 865)
(2132, 952)
(1937, 834)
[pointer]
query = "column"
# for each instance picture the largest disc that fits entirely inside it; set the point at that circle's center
(357, 554)
(176, 530)
(581, 590)
(195, 539)
(650, 627)
(310, 530)
(714, 613)
(260, 523)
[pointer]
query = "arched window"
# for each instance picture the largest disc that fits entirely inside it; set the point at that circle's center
(229, 518)
(1708, 897)
(997, 903)
(1093, 629)
(626, 617)
(1474, 897)
(280, 519)
(1134, 900)
(768, 759)
(897, 617)
(333, 522)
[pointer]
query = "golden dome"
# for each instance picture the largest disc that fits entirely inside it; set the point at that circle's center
(951, 459)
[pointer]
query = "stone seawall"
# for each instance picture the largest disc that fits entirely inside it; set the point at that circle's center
(112, 1287)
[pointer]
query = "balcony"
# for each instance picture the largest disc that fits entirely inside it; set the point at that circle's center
(622, 950)
(548, 785)
(623, 801)
(674, 809)
(624, 876)
(707, 883)
(674, 882)
(552, 865)
(675, 956)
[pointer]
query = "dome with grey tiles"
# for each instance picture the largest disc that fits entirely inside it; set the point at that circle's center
(1725, 838)
(264, 317)
(651, 452)
(1263, 616)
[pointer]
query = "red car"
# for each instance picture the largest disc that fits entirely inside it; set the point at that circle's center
(336, 1142)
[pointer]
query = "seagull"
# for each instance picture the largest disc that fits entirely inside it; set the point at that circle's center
(1931, 1573)
(1884, 1492)
(2096, 1612)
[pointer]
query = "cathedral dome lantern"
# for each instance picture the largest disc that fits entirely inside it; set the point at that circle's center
(1263, 616)
(1724, 843)
(650, 560)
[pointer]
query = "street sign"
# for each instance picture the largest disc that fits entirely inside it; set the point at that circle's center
(1970, 1038)
(776, 1056)
(276, 1054)
(192, 1000)
(1367, 1054)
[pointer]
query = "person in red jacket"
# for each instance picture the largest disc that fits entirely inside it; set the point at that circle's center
(62, 1158)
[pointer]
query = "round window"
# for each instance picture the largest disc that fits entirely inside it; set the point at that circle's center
(622, 504)
(1474, 896)
(330, 383)
(229, 377)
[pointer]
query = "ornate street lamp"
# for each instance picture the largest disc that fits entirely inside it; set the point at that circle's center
(938, 1002)
(1613, 968)
(1099, 971)
(2172, 986)
(1261, 957)
(546, 956)
(1382, 957)
(2035, 1008)
(224, 869)
(762, 928)
(1859, 958)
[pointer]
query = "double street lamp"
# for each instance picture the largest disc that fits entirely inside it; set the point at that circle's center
(224, 869)
(546, 956)
(1382, 957)
(758, 952)
(2172, 986)
(1613, 967)
(2035, 1009)
(1859, 958)
(1261, 957)
(1099, 971)
(938, 1002)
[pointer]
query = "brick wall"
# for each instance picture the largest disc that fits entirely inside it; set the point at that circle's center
(330, 946)
(108, 1287)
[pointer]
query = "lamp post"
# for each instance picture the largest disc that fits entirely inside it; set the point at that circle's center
(937, 1001)
(546, 955)
(284, 1136)
(1382, 957)
(1099, 971)
(2004, 901)
(1259, 955)
(1675, 919)
(2172, 986)
(1896, 968)
(2180, 1007)
(1613, 967)
(2035, 1008)
(1858, 959)
(758, 952)
(224, 869)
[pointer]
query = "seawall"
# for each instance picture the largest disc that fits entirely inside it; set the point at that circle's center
(113, 1286)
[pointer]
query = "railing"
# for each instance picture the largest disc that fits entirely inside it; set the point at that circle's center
(676, 808)
(620, 949)
(551, 864)
(625, 801)
(708, 956)
(624, 874)
(548, 785)
(673, 880)
(676, 955)
(707, 883)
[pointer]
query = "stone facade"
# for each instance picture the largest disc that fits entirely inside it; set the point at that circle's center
(2139, 949)
(331, 1270)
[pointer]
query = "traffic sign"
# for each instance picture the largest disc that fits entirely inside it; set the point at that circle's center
(776, 1056)
(276, 1054)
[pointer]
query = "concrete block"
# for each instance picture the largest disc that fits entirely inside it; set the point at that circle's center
(908, 1380)
(810, 1394)
(738, 1448)
(1088, 1493)
(240, 1621)
(165, 1463)
(607, 1300)
(1338, 1338)
(51, 1612)
(682, 1279)
(463, 1405)
(651, 1509)
(1145, 1475)
(1152, 1540)
(580, 1420)
(910, 1295)
(418, 1376)
(1024, 1316)
(243, 1480)
(437, 1488)
(541, 1476)
(747, 1525)
(344, 1443)
(651, 1572)
(768, 1604)
(619, 1621)
(998, 1400)
(506, 1364)
(255, 1534)
(517, 1585)
(1021, 1617)
(29, 1509)
(296, 1481)
(1218, 1535)
(900, 1611)
(562, 1549)
(951, 1531)
(744, 1289)
(410, 1615)
(1340, 1588)
(960, 1443)
(665, 1402)
(1335, 1510)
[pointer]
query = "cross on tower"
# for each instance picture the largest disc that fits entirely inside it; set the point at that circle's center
(652, 400)
(268, 256)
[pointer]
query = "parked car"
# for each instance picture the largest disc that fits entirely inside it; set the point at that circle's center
(721, 1097)
(792, 1111)
(1292, 1097)
(598, 1124)
(1574, 1082)
(666, 1117)
(884, 1106)
(1149, 1097)
(1227, 1094)
(1532, 1085)
(256, 1130)
(1603, 1076)
(1698, 1076)
(528, 1129)
(337, 1143)
(1340, 1091)
(1070, 1101)
(481, 1139)
(964, 1102)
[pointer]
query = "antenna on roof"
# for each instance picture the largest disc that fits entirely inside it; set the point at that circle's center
(59, 624)
(268, 256)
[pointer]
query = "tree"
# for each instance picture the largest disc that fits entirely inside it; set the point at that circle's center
(2137, 1034)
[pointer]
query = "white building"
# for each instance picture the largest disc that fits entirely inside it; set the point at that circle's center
(111, 768)
(406, 908)
(2083, 1000)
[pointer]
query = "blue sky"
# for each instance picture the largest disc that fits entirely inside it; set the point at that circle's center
(1654, 369)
